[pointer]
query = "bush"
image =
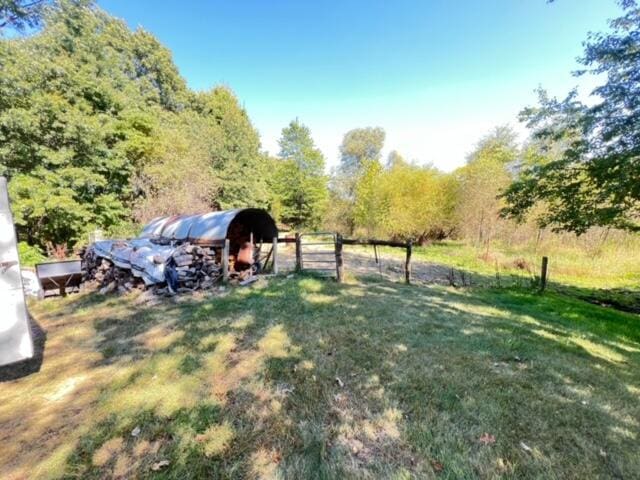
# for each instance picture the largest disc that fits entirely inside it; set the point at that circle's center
(124, 230)
(29, 255)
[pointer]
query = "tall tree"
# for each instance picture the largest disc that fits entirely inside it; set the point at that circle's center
(301, 182)
(480, 181)
(360, 154)
(239, 166)
(358, 145)
(95, 120)
(178, 176)
(595, 180)
(77, 105)
(369, 208)
(21, 14)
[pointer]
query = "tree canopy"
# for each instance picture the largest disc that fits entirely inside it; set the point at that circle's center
(98, 129)
(361, 144)
(86, 108)
(480, 182)
(588, 173)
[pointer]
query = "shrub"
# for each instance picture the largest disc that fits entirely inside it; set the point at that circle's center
(30, 255)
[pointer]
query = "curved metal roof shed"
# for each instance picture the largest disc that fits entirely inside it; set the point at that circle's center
(214, 227)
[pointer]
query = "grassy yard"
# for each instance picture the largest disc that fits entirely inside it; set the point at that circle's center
(609, 276)
(304, 378)
(609, 268)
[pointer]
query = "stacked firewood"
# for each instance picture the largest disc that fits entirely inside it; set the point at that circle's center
(196, 267)
(108, 277)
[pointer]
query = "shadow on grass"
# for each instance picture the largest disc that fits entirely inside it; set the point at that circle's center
(518, 273)
(305, 378)
(32, 365)
(622, 299)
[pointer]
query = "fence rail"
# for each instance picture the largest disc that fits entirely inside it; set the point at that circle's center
(338, 242)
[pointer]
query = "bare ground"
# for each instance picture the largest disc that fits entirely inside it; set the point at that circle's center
(388, 267)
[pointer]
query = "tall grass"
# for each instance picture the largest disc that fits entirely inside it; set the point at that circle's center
(594, 260)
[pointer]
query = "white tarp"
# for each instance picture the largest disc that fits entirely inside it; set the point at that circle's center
(15, 336)
(144, 258)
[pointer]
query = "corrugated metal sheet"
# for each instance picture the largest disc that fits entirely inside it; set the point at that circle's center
(177, 228)
(154, 228)
(212, 227)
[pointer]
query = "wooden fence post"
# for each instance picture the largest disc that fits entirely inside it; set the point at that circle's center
(543, 274)
(298, 253)
(225, 261)
(274, 250)
(253, 250)
(407, 263)
(339, 267)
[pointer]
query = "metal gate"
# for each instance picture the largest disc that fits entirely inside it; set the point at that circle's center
(316, 252)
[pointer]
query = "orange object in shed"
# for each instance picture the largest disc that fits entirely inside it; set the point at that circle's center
(245, 255)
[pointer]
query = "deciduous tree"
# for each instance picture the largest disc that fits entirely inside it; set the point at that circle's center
(359, 145)
(480, 182)
(595, 181)
(96, 124)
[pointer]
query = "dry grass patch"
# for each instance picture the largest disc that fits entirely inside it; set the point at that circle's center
(215, 439)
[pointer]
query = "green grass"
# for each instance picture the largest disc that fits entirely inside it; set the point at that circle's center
(608, 268)
(244, 385)
(609, 276)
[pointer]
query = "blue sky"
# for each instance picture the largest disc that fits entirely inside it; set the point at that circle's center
(435, 74)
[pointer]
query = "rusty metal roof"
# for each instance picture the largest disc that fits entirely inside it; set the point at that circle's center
(212, 227)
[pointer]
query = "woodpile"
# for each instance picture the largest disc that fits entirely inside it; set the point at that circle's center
(174, 268)
(109, 278)
(188, 268)
(195, 268)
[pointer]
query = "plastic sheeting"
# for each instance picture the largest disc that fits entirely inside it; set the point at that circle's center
(144, 258)
(31, 284)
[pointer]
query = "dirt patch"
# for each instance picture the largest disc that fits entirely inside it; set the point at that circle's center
(387, 267)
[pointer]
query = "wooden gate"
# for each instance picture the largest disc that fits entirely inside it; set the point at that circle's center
(316, 252)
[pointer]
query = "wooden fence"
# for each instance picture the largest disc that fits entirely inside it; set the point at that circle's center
(408, 246)
(339, 244)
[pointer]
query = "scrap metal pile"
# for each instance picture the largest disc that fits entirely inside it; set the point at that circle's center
(181, 254)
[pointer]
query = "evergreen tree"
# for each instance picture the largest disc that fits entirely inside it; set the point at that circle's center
(301, 183)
